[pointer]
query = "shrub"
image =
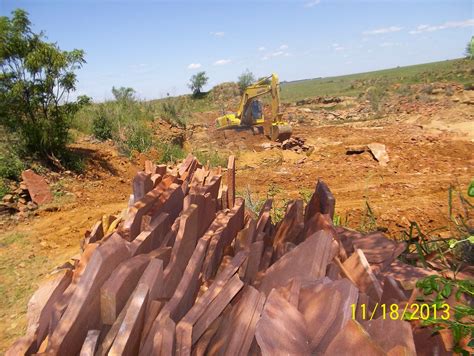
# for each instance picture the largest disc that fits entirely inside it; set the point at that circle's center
(138, 138)
(102, 127)
(47, 74)
(11, 165)
(170, 153)
(172, 111)
(215, 159)
(245, 79)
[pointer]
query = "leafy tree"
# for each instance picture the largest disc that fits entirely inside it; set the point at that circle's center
(36, 79)
(470, 49)
(197, 82)
(245, 79)
(123, 94)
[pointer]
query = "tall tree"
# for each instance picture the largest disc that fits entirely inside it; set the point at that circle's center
(35, 82)
(197, 82)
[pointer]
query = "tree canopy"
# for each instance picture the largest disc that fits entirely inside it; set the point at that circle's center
(245, 79)
(36, 79)
(197, 82)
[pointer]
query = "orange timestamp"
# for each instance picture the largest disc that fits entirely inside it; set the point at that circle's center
(412, 311)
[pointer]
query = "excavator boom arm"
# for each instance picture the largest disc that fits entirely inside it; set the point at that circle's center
(261, 88)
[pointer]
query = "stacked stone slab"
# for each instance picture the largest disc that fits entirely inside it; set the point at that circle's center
(188, 271)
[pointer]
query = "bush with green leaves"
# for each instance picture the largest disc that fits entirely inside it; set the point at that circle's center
(470, 49)
(170, 153)
(197, 82)
(102, 127)
(435, 292)
(35, 81)
(11, 165)
(172, 111)
(245, 79)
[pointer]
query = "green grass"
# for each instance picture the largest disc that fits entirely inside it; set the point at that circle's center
(457, 70)
(14, 237)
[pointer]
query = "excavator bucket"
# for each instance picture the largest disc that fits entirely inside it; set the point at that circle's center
(280, 131)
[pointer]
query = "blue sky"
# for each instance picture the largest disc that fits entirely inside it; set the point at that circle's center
(155, 46)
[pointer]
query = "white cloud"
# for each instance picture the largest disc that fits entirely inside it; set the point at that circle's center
(264, 58)
(444, 26)
(389, 44)
(312, 3)
(261, 48)
(194, 66)
(277, 54)
(284, 46)
(218, 34)
(381, 31)
(337, 47)
(222, 62)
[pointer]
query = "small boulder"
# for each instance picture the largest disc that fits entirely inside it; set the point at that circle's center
(37, 187)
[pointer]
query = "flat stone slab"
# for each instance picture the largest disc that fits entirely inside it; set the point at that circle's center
(308, 261)
(83, 310)
(37, 187)
(353, 339)
(282, 329)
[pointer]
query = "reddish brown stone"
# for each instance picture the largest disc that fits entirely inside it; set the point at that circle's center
(206, 209)
(97, 232)
(245, 236)
(282, 328)
(40, 309)
(164, 341)
(307, 261)
(237, 330)
(142, 184)
(228, 292)
(127, 341)
(428, 343)
(360, 272)
(161, 169)
(186, 292)
(223, 237)
(153, 237)
(83, 311)
(183, 248)
(390, 334)
(132, 223)
(186, 164)
(405, 274)
(90, 343)
(391, 293)
(322, 201)
(290, 228)
(156, 179)
(255, 255)
(37, 187)
(231, 182)
(212, 186)
(199, 311)
(354, 340)
(150, 167)
(326, 308)
(263, 217)
(117, 289)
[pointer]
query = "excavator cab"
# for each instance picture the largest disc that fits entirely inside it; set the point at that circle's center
(250, 112)
(253, 114)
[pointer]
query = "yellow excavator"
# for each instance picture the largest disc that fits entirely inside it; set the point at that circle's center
(250, 112)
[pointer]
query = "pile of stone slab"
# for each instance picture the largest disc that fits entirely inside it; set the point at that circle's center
(32, 192)
(296, 144)
(186, 270)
